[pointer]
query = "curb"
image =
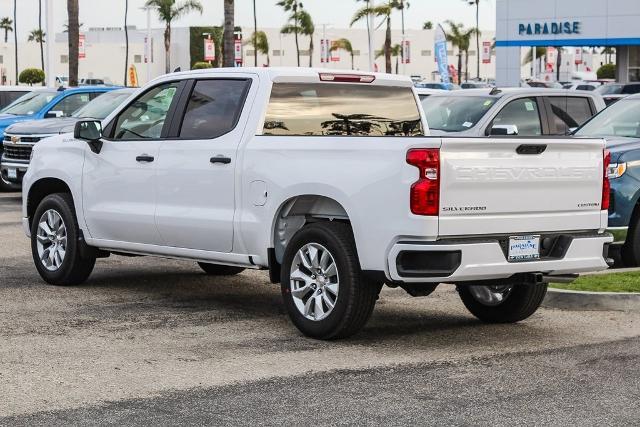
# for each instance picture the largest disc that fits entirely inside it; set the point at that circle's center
(598, 301)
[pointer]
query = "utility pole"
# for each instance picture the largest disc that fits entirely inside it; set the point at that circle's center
(255, 35)
(534, 72)
(404, 60)
(147, 47)
(372, 24)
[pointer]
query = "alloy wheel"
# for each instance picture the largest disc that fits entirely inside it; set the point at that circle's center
(51, 240)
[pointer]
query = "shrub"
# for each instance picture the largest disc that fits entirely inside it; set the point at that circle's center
(607, 71)
(31, 76)
(201, 65)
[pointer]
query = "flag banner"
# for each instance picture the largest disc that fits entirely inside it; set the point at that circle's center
(441, 54)
(209, 50)
(406, 52)
(486, 52)
(81, 47)
(238, 52)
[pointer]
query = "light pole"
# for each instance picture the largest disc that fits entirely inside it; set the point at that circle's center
(147, 45)
(50, 64)
(372, 23)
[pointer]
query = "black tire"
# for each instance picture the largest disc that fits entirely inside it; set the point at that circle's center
(522, 302)
(220, 270)
(356, 295)
(75, 269)
(630, 250)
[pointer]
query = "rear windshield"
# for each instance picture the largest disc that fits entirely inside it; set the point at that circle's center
(455, 113)
(30, 103)
(620, 119)
(609, 89)
(338, 109)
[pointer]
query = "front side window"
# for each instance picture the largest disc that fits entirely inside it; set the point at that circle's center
(523, 113)
(30, 103)
(69, 104)
(145, 117)
(455, 113)
(339, 109)
(213, 108)
(569, 112)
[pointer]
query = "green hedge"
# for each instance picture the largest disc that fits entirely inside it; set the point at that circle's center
(31, 76)
(607, 71)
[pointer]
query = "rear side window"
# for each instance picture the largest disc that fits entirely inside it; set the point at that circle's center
(585, 87)
(631, 89)
(213, 108)
(524, 114)
(569, 112)
(337, 109)
(71, 103)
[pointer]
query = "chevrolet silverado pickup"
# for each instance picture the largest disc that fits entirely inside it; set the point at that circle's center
(329, 181)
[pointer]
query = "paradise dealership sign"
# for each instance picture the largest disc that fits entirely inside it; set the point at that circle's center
(538, 28)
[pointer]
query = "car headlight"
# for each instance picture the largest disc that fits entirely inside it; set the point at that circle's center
(616, 170)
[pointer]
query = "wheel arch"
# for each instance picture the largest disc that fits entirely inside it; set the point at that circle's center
(41, 189)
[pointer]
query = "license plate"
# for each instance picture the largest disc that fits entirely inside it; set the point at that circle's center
(12, 174)
(524, 248)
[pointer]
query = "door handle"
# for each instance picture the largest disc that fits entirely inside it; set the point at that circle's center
(531, 149)
(145, 158)
(220, 159)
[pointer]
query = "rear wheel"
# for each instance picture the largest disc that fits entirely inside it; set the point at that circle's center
(220, 270)
(504, 303)
(324, 290)
(630, 250)
(55, 243)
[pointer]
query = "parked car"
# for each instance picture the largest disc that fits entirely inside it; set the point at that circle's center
(45, 103)
(588, 86)
(614, 92)
(91, 82)
(512, 111)
(326, 179)
(8, 94)
(437, 85)
(474, 85)
(425, 93)
(20, 137)
(620, 125)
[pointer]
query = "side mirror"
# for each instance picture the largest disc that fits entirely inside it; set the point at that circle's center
(504, 130)
(91, 132)
(53, 114)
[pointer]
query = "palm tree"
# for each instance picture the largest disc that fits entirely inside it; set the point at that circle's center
(168, 10)
(383, 10)
(368, 27)
(293, 6)
(428, 25)
(126, 42)
(260, 44)
(396, 52)
(460, 37)
(229, 34)
(476, 3)
(343, 44)
(302, 24)
(74, 40)
(15, 35)
(41, 41)
(6, 25)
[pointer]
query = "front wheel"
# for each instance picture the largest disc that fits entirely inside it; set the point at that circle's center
(502, 303)
(55, 243)
(324, 290)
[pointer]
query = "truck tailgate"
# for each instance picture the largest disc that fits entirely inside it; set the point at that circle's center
(520, 185)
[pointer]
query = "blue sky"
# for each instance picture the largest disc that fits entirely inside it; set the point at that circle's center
(338, 13)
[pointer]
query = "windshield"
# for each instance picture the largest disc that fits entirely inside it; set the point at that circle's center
(609, 89)
(455, 114)
(620, 119)
(102, 106)
(30, 103)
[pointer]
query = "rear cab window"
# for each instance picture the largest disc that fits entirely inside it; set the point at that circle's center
(568, 113)
(342, 109)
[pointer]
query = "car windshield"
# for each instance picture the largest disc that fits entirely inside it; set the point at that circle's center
(102, 106)
(30, 103)
(455, 113)
(620, 119)
(609, 89)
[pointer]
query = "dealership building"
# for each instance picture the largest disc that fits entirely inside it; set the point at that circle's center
(523, 24)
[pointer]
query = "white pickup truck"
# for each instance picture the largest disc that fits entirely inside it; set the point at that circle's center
(328, 180)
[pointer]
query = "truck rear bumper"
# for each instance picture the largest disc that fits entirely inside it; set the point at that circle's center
(469, 260)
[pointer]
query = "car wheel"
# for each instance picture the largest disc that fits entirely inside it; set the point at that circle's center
(324, 290)
(55, 243)
(220, 270)
(630, 250)
(504, 303)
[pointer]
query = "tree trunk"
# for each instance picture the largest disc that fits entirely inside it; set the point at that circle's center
(459, 66)
(397, 65)
(295, 33)
(351, 60)
(229, 36)
(255, 32)
(478, 38)
(41, 39)
(74, 40)
(167, 48)
(387, 47)
(558, 63)
(15, 35)
(126, 42)
(311, 51)
(466, 65)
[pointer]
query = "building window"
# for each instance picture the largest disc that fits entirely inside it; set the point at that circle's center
(64, 59)
(449, 53)
(1, 59)
(634, 63)
(356, 53)
(304, 53)
(276, 52)
(425, 53)
(137, 59)
(249, 53)
(472, 53)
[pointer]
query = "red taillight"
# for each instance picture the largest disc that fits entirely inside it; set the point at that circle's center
(425, 192)
(606, 184)
(346, 78)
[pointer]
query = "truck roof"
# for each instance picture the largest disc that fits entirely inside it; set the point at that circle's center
(520, 91)
(294, 74)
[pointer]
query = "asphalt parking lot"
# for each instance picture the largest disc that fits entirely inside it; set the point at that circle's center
(155, 341)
